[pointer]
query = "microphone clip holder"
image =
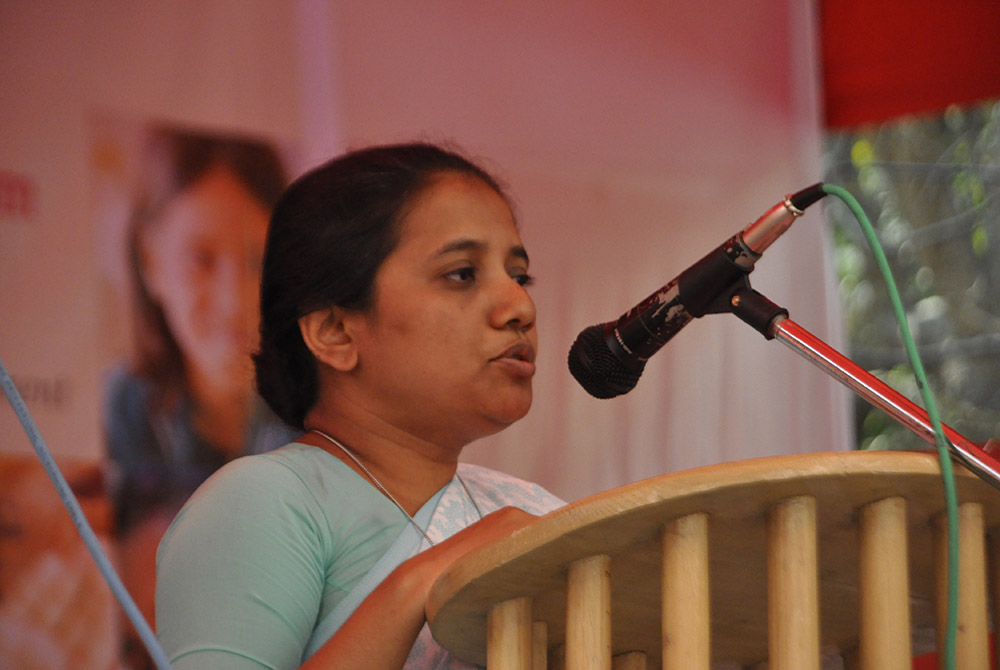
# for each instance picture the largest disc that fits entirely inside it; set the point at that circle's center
(752, 307)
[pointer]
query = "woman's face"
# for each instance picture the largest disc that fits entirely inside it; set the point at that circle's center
(201, 261)
(447, 350)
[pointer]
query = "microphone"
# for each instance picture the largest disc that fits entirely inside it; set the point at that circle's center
(607, 359)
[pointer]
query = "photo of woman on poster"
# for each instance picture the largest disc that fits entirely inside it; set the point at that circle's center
(183, 403)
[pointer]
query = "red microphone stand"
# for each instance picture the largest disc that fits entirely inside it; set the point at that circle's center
(773, 322)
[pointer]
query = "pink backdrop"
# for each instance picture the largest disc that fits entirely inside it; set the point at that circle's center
(635, 137)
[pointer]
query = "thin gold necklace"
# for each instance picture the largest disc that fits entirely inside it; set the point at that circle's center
(357, 461)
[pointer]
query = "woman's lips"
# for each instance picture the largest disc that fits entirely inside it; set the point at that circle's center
(519, 359)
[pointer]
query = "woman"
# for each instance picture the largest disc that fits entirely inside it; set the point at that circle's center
(185, 404)
(395, 329)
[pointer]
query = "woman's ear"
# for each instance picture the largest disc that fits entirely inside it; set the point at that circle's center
(326, 334)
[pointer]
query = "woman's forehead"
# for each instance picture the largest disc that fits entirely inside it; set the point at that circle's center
(459, 212)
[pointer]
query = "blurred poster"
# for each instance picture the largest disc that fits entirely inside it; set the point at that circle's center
(180, 217)
(55, 609)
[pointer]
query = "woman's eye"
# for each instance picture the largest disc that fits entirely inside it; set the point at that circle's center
(462, 275)
(524, 279)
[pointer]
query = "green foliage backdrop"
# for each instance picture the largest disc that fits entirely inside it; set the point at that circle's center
(931, 187)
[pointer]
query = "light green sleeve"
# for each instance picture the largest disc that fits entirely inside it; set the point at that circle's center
(240, 571)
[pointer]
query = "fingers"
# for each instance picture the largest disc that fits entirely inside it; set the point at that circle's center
(492, 528)
(514, 517)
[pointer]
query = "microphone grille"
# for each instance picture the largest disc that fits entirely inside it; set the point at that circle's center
(597, 369)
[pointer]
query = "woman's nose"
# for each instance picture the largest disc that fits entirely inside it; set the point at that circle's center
(513, 306)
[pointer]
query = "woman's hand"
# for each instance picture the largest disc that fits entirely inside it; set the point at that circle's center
(493, 527)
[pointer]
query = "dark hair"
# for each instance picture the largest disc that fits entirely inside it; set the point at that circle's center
(329, 234)
(173, 160)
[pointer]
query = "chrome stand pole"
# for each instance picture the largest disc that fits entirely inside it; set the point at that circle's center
(883, 396)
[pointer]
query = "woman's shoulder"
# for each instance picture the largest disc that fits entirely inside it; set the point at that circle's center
(507, 490)
(296, 492)
(293, 466)
(294, 475)
(260, 492)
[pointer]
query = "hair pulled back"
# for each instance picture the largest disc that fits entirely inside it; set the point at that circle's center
(329, 234)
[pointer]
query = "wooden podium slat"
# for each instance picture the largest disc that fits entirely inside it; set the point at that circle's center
(685, 594)
(509, 635)
(972, 640)
(845, 539)
(588, 614)
(884, 586)
(793, 594)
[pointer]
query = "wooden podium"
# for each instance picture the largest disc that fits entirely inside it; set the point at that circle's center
(766, 563)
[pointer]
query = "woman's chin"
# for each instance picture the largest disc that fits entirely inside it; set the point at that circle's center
(509, 412)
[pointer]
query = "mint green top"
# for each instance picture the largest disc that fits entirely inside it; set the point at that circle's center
(269, 545)
(297, 526)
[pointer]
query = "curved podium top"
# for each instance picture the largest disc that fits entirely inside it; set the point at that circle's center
(626, 524)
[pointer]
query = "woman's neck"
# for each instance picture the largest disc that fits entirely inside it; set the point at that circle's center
(411, 469)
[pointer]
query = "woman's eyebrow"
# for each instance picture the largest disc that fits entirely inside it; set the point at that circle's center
(462, 244)
(469, 244)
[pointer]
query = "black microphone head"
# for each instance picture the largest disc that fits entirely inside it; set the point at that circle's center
(597, 369)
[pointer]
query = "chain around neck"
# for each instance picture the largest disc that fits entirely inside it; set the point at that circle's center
(357, 461)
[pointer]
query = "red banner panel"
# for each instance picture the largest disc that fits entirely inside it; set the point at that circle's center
(884, 58)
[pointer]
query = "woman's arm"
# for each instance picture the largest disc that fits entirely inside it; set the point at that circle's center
(380, 633)
(242, 573)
